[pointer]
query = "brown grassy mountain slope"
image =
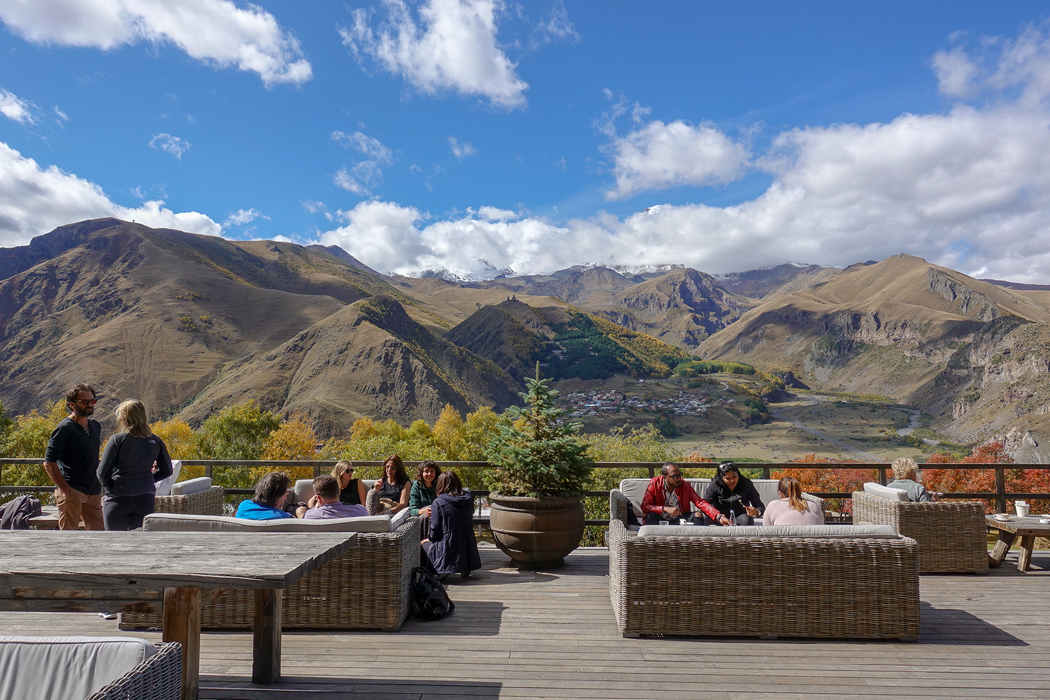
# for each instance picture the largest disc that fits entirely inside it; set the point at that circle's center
(134, 311)
(585, 288)
(781, 279)
(920, 333)
(511, 334)
(369, 359)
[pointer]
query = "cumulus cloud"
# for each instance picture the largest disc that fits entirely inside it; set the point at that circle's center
(968, 188)
(452, 45)
(461, 150)
(15, 109)
(35, 200)
(172, 144)
(217, 32)
(242, 217)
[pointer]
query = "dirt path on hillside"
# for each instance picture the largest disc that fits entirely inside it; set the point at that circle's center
(783, 415)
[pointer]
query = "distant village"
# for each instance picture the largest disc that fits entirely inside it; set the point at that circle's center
(593, 403)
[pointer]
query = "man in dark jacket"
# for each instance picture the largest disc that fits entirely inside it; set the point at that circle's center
(668, 497)
(71, 460)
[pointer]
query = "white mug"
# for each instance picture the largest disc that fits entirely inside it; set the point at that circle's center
(1022, 508)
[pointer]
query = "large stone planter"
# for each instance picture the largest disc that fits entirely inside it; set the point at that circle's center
(536, 533)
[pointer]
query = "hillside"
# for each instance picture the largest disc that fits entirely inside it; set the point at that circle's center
(369, 359)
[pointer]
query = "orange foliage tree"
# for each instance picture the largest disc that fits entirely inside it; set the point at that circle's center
(977, 480)
(830, 480)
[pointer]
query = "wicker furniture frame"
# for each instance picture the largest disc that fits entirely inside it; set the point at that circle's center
(208, 502)
(764, 586)
(157, 678)
(952, 535)
(366, 588)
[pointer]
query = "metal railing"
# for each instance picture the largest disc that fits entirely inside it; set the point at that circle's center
(1000, 496)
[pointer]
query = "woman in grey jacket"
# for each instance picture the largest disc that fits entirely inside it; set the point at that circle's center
(133, 462)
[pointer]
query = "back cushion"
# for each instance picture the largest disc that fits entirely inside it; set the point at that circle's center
(185, 488)
(178, 522)
(304, 490)
(45, 668)
(820, 531)
(886, 492)
(164, 485)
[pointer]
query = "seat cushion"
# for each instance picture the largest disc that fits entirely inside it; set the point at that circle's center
(185, 488)
(886, 492)
(178, 522)
(58, 668)
(773, 531)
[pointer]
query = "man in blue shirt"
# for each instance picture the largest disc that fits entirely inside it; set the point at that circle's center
(71, 460)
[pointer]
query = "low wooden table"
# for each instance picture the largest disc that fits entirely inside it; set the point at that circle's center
(57, 571)
(47, 520)
(1027, 527)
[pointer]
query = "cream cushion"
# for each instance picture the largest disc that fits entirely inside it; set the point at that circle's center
(185, 488)
(58, 668)
(634, 491)
(886, 492)
(772, 531)
(179, 522)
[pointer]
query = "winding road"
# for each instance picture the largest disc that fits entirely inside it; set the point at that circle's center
(781, 415)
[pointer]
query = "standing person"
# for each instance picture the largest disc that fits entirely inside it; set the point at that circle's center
(352, 491)
(71, 460)
(792, 508)
(394, 486)
(734, 496)
(424, 491)
(452, 548)
(667, 497)
(133, 462)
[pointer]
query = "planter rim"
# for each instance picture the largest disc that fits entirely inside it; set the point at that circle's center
(495, 496)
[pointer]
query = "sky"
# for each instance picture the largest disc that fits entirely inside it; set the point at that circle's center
(479, 136)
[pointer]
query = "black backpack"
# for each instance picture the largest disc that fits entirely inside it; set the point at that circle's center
(429, 599)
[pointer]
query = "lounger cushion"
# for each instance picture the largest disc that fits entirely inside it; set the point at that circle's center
(58, 668)
(886, 492)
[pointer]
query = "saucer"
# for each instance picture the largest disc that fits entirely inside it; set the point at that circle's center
(1001, 517)
(1045, 521)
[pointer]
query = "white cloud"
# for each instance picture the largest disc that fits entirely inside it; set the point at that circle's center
(213, 31)
(15, 109)
(363, 174)
(242, 217)
(555, 26)
(461, 150)
(313, 206)
(367, 145)
(35, 200)
(344, 180)
(968, 189)
(657, 156)
(60, 114)
(452, 46)
(172, 144)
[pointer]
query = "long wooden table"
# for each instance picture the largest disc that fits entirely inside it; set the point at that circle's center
(1028, 528)
(57, 571)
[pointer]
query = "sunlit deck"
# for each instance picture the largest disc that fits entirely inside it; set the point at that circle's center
(552, 635)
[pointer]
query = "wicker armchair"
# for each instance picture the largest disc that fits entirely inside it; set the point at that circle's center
(207, 502)
(853, 586)
(366, 588)
(157, 678)
(952, 535)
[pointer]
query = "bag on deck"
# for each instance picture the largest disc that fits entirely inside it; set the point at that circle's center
(429, 599)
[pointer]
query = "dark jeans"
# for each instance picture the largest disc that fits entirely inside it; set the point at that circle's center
(742, 519)
(654, 519)
(127, 512)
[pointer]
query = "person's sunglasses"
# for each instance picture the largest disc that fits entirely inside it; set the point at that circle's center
(726, 467)
(87, 402)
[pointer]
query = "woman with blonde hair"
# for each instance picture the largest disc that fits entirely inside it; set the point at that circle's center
(904, 479)
(792, 508)
(352, 492)
(133, 462)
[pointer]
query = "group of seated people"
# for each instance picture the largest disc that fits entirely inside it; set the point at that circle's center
(730, 499)
(444, 507)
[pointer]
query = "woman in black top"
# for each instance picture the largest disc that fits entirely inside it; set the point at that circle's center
(133, 462)
(734, 496)
(394, 486)
(352, 491)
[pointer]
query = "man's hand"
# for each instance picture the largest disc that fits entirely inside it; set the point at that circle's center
(723, 520)
(673, 512)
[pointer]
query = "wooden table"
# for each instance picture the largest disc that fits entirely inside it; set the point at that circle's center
(57, 571)
(1028, 528)
(47, 520)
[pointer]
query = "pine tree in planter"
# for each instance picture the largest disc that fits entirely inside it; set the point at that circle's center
(540, 469)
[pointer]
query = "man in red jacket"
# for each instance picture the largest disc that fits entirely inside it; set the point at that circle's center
(668, 497)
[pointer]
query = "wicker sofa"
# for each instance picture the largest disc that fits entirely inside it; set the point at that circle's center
(366, 588)
(96, 668)
(192, 497)
(952, 535)
(830, 581)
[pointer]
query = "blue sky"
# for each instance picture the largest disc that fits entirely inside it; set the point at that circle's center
(476, 135)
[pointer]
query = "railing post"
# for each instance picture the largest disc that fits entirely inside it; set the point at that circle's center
(1000, 490)
(765, 472)
(207, 470)
(882, 476)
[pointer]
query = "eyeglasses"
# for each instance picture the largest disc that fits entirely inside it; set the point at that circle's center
(87, 402)
(676, 477)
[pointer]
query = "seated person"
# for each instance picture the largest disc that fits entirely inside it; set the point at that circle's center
(791, 508)
(325, 503)
(424, 491)
(904, 473)
(394, 486)
(270, 494)
(668, 497)
(352, 491)
(734, 496)
(452, 548)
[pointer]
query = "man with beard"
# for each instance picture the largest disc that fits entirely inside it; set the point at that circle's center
(71, 461)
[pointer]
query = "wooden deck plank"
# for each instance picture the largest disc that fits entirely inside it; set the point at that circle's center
(552, 635)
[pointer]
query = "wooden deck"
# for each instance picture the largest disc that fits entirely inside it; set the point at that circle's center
(552, 635)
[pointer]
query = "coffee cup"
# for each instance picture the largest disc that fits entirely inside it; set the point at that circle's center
(1022, 508)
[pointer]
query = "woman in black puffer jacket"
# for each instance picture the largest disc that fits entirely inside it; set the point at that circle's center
(734, 496)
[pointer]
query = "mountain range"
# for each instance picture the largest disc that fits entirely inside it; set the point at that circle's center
(191, 323)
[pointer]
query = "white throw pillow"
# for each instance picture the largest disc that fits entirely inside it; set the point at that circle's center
(886, 492)
(164, 485)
